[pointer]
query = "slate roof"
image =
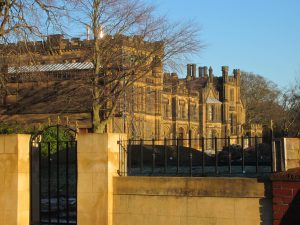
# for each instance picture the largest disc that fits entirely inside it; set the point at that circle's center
(212, 101)
(51, 67)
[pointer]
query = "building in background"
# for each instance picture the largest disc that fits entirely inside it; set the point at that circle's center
(156, 106)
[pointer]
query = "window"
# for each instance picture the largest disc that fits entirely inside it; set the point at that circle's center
(211, 113)
(182, 113)
(166, 108)
(232, 120)
(232, 95)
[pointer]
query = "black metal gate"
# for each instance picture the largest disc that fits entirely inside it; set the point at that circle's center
(53, 176)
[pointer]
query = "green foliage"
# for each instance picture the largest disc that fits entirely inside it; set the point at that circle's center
(55, 139)
(14, 128)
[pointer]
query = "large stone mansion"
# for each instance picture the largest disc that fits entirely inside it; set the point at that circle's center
(156, 106)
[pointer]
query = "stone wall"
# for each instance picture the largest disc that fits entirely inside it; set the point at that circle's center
(292, 152)
(98, 162)
(14, 179)
(286, 197)
(197, 201)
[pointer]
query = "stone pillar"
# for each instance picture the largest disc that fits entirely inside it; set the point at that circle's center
(98, 162)
(14, 179)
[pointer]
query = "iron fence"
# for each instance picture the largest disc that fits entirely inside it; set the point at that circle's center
(238, 156)
(53, 177)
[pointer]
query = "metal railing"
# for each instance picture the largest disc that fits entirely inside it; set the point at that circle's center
(239, 156)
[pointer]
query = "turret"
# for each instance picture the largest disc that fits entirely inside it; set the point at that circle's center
(237, 75)
(225, 73)
(157, 67)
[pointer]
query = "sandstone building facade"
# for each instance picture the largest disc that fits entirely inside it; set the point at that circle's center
(158, 105)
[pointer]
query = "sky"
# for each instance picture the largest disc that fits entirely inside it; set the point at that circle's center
(259, 36)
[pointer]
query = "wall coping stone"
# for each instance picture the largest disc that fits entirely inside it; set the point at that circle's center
(289, 175)
(193, 187)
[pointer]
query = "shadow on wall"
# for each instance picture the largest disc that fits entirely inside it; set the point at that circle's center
(292, 217)
(265, 206)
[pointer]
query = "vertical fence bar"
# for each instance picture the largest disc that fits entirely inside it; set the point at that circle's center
(153, 156)
(190, 153)
(165, 155)
(67, 181)
(30, 179)
(76, 183)
(273, 156)
(49, 181)
(142, 156)
(57, 172)
(203, 159)
(243, 155)
(125, 160)
(40, 180)
(229, 155)
(120, 169)
(129, 156)
(178, 155)
(216, 155)
(256, 153)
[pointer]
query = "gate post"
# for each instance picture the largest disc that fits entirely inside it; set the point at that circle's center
(98, 161)
(14, 179)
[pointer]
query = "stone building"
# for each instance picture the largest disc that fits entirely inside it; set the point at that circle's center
(158, 105)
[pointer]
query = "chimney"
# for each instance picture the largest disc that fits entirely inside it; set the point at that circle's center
(194, 66)
(205, 71)
(188, 70)
(211, 75)
(200, 70)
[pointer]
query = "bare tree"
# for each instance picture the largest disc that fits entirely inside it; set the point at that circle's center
(262, 100)
(128, 42)
(21, 19)
(291, 103)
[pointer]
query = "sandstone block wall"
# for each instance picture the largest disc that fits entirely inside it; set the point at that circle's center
(14, 180)
(191, 201)
(292, 152)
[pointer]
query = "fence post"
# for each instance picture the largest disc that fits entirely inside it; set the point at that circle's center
(190, 153)
(153, 156)
(216, 155)
(177, 148)
(229, 155)
(243, 156)
(256, 153)
(273, 152)
(142, 156)
(203, 160)
(165, 155)
(129, 157)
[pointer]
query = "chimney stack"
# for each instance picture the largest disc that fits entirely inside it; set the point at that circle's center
(194, 66)
(205, 71)
(200, 71)
(188, 70)
(211, 75)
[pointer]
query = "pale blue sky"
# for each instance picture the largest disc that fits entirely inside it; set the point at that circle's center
(260, 36)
